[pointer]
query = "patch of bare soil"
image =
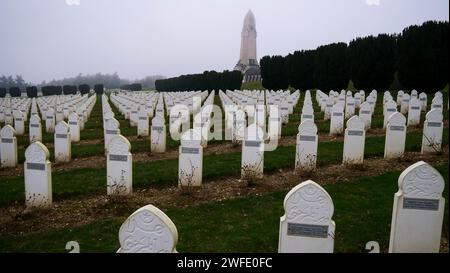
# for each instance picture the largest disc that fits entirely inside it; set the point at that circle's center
(73, 212)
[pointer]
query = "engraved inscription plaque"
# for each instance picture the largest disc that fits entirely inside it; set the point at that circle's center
(421, 204)
(304, 230)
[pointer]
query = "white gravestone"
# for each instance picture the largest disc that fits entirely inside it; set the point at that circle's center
(74, 127)
(365, 113)
(389, 108)
(38, 176)
(337, 119)
(405, 104)
(142, 122)
(400, 97)
(432, 132)
(307, 225)
(35, 129)
(50, 120)
(414, 112)
(148, 230)
(19, 122)
(349, 107)
(8, 146)
(423, 101)
(395, 136)
(111, 130)
(328, 108)
(307, 113)
(119, 168)
(158, 135)
(418, 211)
(354, 141)
(306, 148)
(252, 164)
(63, 149)
(190, 160)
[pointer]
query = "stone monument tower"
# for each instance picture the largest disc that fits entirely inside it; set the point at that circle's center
(248, 63)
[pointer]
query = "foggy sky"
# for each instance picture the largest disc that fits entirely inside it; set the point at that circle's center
(53, 39)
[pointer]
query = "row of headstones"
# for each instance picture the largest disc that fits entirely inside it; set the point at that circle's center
(119, 158)
(354, 139)
(64, 135)
(307, 225)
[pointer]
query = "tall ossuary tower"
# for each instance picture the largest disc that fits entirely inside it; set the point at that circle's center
(248, 63)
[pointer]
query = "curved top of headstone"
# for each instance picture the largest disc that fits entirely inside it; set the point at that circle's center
(62, 127)
(421, 180)
(50, 112)
(254, 132)
(307, 109)
(437, 99)
(397, 118)
(307, 127)
(7, 131)
(35, 119)
(308, 203)
(406, 96)
(422, 95)
(355, 122)
(112, 124)
(73, 117)
(391, 104)
(434, 115)
(191, 138)
(338, 107)
(37, 153)
(119, 145)
(158, 121)
(438, 94)
(414, 102)
(148, 230)
(350, 100)
(365, 106)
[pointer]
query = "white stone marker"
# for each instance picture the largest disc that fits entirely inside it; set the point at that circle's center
(50, 120)
(158, 135)
(414, 112)
(63, 147)
(389, 108)
(400, 97)
(38, 176)
(119, 168)
(328, 108)
(307, 113)
(354, 141)
(418, 211)
(190, 160)
(365, 113)
(395, 136)
(337, 119)
(111, 130)
(306, 149)
(405, 104)
(307, 225)
(142, 122)
(423, 101)
(432, 132)
(252, 164)
(8, 146)
(19, 122)
(74, 127)
(148, 230)
(35, 129)
(349, 107)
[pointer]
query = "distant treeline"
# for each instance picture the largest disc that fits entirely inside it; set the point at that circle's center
(109, 81)
(415, 59)
(132, 87)
(209, 80)
(50, 90)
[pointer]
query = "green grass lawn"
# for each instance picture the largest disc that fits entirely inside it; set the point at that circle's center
(247, 224)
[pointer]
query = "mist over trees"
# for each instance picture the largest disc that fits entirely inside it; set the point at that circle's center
(109, 81)
(209, 80)
(419, 56)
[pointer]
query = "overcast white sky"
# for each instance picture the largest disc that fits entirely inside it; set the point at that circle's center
(52, 39)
